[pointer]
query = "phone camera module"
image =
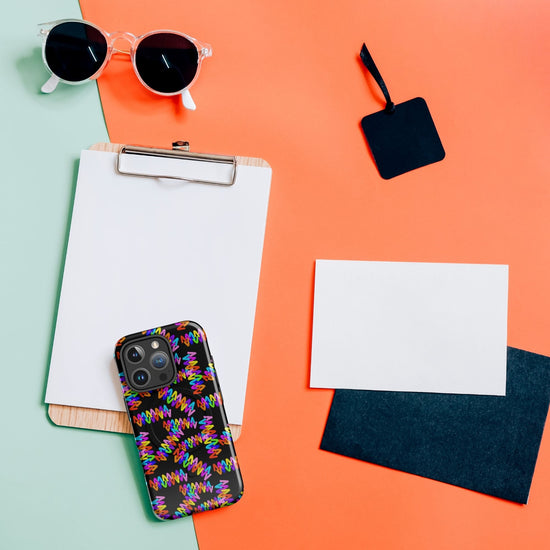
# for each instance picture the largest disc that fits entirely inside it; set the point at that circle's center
(159, 360)
(148, 363)
(135, 354)
(140, 377)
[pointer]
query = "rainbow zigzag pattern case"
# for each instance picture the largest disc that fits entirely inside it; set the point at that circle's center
(181, 431)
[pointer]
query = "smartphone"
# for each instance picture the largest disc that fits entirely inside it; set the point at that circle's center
(175, 406)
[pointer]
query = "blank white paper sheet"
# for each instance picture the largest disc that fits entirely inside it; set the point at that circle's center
(418, 327)
(145, 252)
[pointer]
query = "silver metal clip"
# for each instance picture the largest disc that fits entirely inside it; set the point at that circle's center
(178, 164)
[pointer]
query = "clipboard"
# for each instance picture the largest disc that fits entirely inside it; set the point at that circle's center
(235, 178)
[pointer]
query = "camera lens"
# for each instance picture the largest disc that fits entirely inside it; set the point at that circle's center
(135, 354)
(159, 360)
(140, 377)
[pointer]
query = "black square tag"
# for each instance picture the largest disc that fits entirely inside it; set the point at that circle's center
(403, 139)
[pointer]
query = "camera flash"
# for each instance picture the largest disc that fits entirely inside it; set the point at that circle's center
(154, 344)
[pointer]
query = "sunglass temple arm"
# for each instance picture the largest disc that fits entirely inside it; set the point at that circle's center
(50, 85)
(187, 100)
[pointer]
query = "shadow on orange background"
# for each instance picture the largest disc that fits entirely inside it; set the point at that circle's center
(285, 84)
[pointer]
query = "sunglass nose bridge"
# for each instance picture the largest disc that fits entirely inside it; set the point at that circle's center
(127, 37)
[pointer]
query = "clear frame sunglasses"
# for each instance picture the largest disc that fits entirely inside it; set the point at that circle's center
(165, 62)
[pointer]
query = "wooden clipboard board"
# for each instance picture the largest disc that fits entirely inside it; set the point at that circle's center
(107, 420)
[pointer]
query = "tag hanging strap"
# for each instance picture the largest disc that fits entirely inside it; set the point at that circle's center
(369, 63)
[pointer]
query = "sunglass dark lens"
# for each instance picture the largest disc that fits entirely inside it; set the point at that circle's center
(75, 51)
(167, 62)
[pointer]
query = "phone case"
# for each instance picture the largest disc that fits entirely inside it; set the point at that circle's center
(181, 430)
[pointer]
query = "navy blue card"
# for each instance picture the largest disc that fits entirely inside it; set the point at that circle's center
(484, 443)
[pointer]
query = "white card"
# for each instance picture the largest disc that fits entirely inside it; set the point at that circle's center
(419, 327)
(145, 252)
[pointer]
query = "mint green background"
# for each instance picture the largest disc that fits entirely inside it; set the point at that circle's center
(59, 487)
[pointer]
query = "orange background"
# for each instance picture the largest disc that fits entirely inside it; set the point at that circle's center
(285, 84)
